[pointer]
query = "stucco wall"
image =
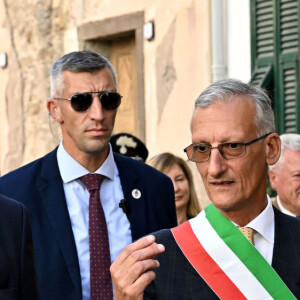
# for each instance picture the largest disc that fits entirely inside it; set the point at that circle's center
(238, 40)
(176, 64)
(33, 38)
(36, 33)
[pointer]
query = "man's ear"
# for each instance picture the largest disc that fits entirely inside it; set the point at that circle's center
(54, 110)
(273, 148)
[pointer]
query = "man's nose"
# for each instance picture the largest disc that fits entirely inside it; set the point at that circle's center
(96, 111)
(216, 163)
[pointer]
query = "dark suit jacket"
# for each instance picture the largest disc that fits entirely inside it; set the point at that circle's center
(177, 279)
(40, 189)
(17, 271)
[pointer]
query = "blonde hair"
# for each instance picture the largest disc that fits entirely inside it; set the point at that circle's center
(163, 162)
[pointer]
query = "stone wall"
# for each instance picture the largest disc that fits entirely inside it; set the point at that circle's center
(35, 35)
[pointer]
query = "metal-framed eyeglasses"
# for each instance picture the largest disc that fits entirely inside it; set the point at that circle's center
(229, 150)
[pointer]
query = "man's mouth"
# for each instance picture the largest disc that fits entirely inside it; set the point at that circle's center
(97, 131)
(220, 183)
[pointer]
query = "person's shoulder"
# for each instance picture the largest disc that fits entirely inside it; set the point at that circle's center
(163, 233)
(172, 250)
(164, 236)
(27, 169)
(286, 220)
(6, 201)
(294, 221)
(10, 206)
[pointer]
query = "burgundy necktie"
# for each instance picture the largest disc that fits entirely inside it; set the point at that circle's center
(100, 279)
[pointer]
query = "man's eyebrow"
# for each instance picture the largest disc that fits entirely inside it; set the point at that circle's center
(201, 143)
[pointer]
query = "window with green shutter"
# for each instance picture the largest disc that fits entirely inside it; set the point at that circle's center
(275, 57)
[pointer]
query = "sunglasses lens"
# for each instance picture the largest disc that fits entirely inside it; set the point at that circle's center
(110, 100)
(81, 102)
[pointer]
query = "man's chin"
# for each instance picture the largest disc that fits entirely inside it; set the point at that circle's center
(221, 202)
(96, 149)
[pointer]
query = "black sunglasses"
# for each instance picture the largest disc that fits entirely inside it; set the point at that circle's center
(82, 102)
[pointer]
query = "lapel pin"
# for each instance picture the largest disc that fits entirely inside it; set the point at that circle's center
(136, 194)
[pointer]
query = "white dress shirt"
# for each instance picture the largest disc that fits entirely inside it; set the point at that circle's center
(77, 198)
(264, 225)
(282, 209)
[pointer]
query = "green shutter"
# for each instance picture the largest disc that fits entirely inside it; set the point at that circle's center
(264, 28)
(290, 116)
(262, 76)
(287, 100)
(275, 57)
(288, 26)
(262, 39)
(288, 66)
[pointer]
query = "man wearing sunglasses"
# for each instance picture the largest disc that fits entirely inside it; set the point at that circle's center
(73, 247)
(240, 246)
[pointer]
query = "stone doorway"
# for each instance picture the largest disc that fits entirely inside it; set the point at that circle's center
(120, 40)
(123, 58)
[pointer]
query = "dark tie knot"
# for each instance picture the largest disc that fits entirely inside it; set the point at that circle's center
(92, 181)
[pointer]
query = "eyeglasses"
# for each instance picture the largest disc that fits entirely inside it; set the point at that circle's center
(231, 150)
(82, 102)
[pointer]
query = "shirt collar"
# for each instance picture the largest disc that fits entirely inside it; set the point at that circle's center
(282, 209)
(264, 222)
(71, 170)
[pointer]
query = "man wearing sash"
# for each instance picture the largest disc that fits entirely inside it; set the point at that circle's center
(240, 246)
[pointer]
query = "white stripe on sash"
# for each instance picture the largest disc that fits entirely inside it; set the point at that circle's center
(227, 260)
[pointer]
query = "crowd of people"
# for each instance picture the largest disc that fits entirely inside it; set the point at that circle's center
(96, 219)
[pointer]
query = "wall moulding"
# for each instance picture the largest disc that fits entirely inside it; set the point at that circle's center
(99, 36)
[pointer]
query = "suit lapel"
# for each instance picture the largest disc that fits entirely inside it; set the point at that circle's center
(286, 251)
(137, 205)
(53, 197)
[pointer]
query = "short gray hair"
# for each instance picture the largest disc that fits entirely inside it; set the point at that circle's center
(76, 62)
(226, 89)
(288, 141)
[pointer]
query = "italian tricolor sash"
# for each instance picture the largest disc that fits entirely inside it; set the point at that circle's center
(226, 260)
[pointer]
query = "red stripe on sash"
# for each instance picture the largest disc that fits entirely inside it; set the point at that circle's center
(207, 268)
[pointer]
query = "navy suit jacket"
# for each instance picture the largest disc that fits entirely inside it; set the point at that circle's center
(17, 271)
(39, 187)
(177, 279)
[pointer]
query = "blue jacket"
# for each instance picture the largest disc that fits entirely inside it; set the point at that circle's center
(39, 187)
(17, 271)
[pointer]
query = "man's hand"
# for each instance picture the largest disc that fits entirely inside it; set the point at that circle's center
(131, 270)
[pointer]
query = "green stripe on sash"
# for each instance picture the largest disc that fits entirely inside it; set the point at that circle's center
(248, 254)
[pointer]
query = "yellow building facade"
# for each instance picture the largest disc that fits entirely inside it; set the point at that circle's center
(161, 51)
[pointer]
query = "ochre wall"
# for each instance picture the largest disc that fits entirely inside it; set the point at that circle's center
(176, 64)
